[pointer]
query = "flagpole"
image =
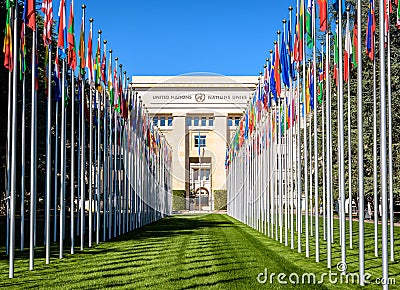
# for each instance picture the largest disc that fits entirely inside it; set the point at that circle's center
(110, 149)
(9, 136)
(55, 173)
(390, 149)
(328, 152)
(105, 149)
(90, 144)
(316, 175)
(98, 150)
(360, 149)
(62, 185)
(82, 157)
(375, 159)
(14, 148)
(33, 156)
(23, 147)
(305, 154)
(383, 148)
(72, 161)
(349, 136)
(341, 142)
(115, 161)
(48, 157)
(324, 207)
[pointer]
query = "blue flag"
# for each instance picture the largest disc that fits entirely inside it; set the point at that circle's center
(284, 62)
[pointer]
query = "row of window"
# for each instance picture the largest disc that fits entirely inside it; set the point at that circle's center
(199, 141)
(162, 121)
(198, 121)
(233, 121)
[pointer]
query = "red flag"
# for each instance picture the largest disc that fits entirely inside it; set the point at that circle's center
(90, 56)
(71, 39)
(7, 45)
(47, 8)
(322, 14)
(277, 71)
(30, 15)
(61, 25)
(355, 41)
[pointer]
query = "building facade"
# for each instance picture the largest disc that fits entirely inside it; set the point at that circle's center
(198, 115)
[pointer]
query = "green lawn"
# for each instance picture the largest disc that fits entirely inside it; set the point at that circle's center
(188, 252)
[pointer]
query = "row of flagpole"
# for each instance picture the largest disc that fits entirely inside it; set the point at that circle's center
(121, 180)
(270, 160)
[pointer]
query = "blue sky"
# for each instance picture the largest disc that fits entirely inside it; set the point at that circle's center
(174, 37)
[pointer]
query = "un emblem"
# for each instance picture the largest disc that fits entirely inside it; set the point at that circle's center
(200, 98)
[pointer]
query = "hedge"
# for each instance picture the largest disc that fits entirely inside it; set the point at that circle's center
(220, 199)
(178, 200)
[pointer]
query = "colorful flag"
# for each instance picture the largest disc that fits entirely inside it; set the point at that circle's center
(22, 52)
(81, 51)
(47, 8)
(272, 82)
(347, 53)
(97, 69)
(71, 39)
(309, 23)
(398, 15)
(277, 71)
(285, 62)
(321, 78)
(298, 43)
(89, 57)
(355, 41)
(7, 45)
(370, 38)
(61, 25)
(323, 15)
(29, 15)
(336, 58)
(104, 68)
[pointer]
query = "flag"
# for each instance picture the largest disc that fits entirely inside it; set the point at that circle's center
(115, 91)
(56, 76)
(312, 93)
(355, 41)
(71, 39)
(321, 78)
(81, 51)
(110, 82)
(89, 57)
(307, 109)
(285, 65)
(97, 69)
(323, 15)
(309, 23)
(7, 45)
(29, 15)
(398, 15)
(22, 52)
(272, 82)
(336, 58)
(347, 53)
(61, 25)
(370, 38)
(47, 8)
(277, 71)
(103, 68)
(290, 52)
(298, 43)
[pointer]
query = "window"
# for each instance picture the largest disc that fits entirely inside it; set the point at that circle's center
(233, 121)
(200, 141)
(196, 121)
(237, 120)
(230, 123)
(162, 121)
(155, 121)
(200, 121)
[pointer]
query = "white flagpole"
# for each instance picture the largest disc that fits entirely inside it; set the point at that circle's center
(98, 154)
(48, 158)
(341, 142)
(375, 160)
(324, 207)
(23, 160)
(360, 149)
(349, 137)
(390, 149)
(9, 136)
(72, 161)
(328, 152)
(14, 147)
(62, 184)
(33, 156)
(105, 157)
(385, 274)
(90, 149)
